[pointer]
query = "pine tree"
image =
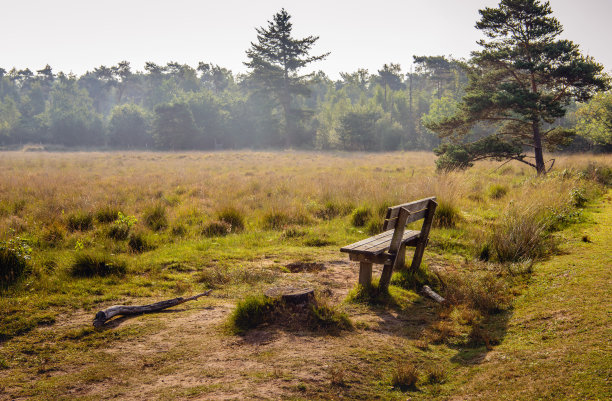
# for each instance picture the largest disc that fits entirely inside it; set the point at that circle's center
(275, 60)
(520, 82)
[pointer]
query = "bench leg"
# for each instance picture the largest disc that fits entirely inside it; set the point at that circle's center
(418, 255)
(385, 278)
(401, 256)
(365, 274)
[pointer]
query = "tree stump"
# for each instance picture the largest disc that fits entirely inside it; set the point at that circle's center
(291, 295)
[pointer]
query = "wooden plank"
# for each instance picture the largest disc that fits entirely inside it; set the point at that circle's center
(367, 240)
(381, 243)
(365, 274)
(413, 207)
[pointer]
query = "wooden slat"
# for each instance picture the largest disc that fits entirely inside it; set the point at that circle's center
(417, 207)
(379, 243)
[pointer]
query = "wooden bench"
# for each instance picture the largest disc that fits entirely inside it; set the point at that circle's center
(389, 247)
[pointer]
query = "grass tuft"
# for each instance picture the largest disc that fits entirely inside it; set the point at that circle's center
(233, 217)
(497, 191)
(250, 313)
(92, 264)
(107, 214)
(138, 243)
(405, 376)
(216, 229)
(360, 216)
(80, 221)
(447, 215)
(155, 217)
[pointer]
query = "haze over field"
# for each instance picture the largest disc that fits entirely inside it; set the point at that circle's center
(78, 36)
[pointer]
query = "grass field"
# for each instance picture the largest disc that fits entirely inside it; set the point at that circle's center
(524, 262)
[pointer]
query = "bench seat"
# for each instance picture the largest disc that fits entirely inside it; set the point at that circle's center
(378, 244)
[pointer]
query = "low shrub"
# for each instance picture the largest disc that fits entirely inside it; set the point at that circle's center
(360, 216)
(107, 214)
(578, 198)
(90, 264)
(138, 243)
(405, 376)
(118, 231)
(447, 215)
(14, 257)
(80, 221)
(332, 209)
(497, 191)
(121, 226)
(233, 217)
(155, 217)
(216, 229)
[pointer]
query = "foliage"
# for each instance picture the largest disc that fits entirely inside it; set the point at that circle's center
(91, 264)
(174, 127)
(120, 228)
(595, 119)
(14, 257)
(128, 127)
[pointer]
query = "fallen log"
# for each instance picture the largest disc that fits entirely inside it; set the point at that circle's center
(106, 314)
(432, 294)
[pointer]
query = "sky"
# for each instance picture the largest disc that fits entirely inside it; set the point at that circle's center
(79, 35)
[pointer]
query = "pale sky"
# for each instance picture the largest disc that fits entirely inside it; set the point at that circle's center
(79, 35)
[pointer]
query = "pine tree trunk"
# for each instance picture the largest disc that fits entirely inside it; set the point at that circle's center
(539, 154)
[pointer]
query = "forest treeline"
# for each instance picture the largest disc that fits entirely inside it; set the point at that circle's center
(181, 107)
(176, 106)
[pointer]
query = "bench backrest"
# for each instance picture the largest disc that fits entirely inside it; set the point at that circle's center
(398, 216)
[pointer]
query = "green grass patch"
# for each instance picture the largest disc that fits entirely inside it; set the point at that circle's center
(96, 264)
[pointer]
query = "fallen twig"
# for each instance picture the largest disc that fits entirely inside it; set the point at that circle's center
(115, 310)
(432, 294)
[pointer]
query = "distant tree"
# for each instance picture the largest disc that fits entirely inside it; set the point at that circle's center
(440, 70)
(357, 128)
(595, 119)
(274, 62)
(128, 127)
(71, 118)
(390, 77)
(522, 81)
(215, 77)
(174, 127)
